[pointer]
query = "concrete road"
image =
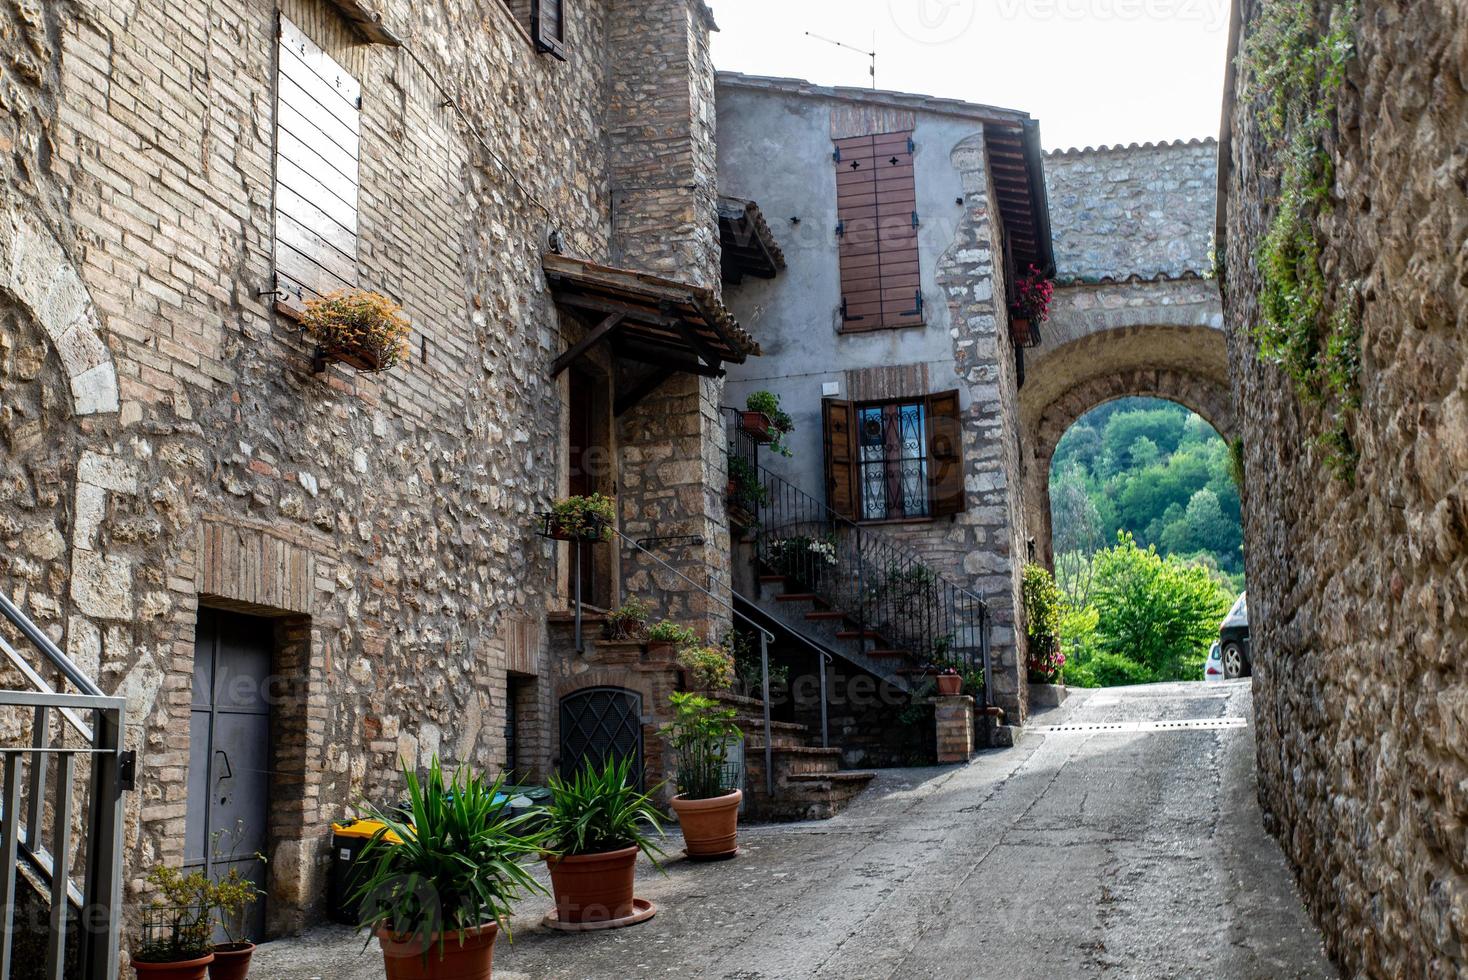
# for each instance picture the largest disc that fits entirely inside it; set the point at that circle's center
(1085, 852)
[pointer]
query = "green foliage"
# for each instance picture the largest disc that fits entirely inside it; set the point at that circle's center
(229, 897)
(712, 668)
(749, 492)
(592, 518)
(701, 732)
(667, 631)
(177, 925)
(1294, 68)
(629, 620)
(1043, 603)
(781, 424)
(599, 810)
(454, 863)
(1160, 613)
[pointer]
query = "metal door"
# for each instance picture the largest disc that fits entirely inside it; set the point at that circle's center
(229, 752)
(598, 725)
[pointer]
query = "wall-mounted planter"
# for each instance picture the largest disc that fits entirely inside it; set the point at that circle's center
(363, 360)
(555, 528)
(759, 426)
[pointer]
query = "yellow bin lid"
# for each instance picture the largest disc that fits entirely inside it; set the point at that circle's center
(363, 829)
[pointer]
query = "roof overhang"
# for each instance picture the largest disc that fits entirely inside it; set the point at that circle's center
(672, 326)
(748, 245)
(1017, 169)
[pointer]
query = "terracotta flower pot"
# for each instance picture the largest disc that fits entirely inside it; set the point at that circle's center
(949, 684)
(710, 827)
(231, 961)
(473, 960)
(593, 887)
(758, 425)
(196, 969)
(659, 651)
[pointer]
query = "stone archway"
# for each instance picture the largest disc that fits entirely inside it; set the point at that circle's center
(35, 270)
(1119, 340)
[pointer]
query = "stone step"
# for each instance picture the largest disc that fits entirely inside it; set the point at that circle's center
(858, 635)
(810, 597)
(825, 614)
(811, 796)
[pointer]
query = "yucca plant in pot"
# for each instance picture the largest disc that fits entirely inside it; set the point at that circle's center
(701, 733)
(436, 899)
(595, 823)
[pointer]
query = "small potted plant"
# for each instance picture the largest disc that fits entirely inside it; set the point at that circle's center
(438, 881)
(746, 493)
(357, 327)
(707, 803)
(950, 682)
(707, 668)
(766, 422)
(230, 897)
(591, 518)
(177, 928)
(666, 638)
(1031, 307)
(596, 822)
(628, 622)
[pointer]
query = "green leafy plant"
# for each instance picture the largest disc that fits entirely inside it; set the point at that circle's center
(1043, 602)
(629, 620)
(781, 424)
(711, 668)
(453, 862)
(599, 810)
(667, 631)
(229, 897)
(359, 322)
(177, 924)
(749, 492)
(589, 518)
(701, 733)
(1295, 66)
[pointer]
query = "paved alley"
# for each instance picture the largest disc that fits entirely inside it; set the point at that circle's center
(1088, 851)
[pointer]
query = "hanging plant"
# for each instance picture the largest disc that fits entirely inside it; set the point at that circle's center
(766, 422)
(592, 518)
(1030, 307)
(360, 328)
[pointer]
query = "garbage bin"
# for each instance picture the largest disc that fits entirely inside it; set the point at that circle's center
(348, 838)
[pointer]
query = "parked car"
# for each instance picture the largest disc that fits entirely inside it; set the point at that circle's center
(1233, 640)
(1213, 666)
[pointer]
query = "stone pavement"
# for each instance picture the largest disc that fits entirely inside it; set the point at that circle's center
(1077, 854)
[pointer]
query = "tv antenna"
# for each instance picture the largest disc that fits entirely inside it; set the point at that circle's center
(872, 54)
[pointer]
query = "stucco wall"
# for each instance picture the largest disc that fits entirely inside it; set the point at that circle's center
(1358, 591)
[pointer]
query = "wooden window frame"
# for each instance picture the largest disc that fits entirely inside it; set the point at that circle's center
(877, 231)
(941, 457)
(551, 42)
(890, 464)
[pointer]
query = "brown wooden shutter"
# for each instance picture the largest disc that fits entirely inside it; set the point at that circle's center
(838, 422)
(548, 26)
(876, 211)
(945, 454)
(317, 132)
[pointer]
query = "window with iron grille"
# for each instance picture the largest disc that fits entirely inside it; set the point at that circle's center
(894, 460)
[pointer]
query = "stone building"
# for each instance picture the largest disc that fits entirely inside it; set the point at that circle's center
(188, 492)
(904, 221)
(1357, 548)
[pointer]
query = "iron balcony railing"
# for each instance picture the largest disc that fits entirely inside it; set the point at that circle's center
(894, 598)
(62, 808)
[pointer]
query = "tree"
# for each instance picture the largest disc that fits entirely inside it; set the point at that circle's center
(1158, 612)
(1144, 452)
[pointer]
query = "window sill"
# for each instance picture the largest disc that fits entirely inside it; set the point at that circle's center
(845, 329)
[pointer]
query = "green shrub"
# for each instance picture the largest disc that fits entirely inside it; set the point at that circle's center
(667, 631)
(712, 668)
(1043, 603)
(701, 733)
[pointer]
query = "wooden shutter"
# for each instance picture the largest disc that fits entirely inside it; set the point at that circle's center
(317, 133)
(548, 26)
(876, 211)
(838, 423)
(945, 454)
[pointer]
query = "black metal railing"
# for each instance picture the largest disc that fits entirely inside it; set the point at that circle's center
(894, 599)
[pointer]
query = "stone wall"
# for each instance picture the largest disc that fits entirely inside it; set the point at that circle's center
(1358, 591)
(166, 444)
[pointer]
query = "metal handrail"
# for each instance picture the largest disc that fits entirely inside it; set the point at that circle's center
(50, 846)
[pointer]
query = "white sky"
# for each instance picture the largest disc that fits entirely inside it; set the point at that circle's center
(1091, 71)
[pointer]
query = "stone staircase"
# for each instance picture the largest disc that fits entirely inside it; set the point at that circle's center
(809, 781)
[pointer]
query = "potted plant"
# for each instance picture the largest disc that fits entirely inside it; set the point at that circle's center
(357, 327)
(707, 803)
(745, 491)
(1031, 306)
(708, 668)
(666, 638)
(177, 928)
(950, 682)
(592, 518)
(628, 621)
(766, 422)
(230, 897)
(596, 822)
(436, 897)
